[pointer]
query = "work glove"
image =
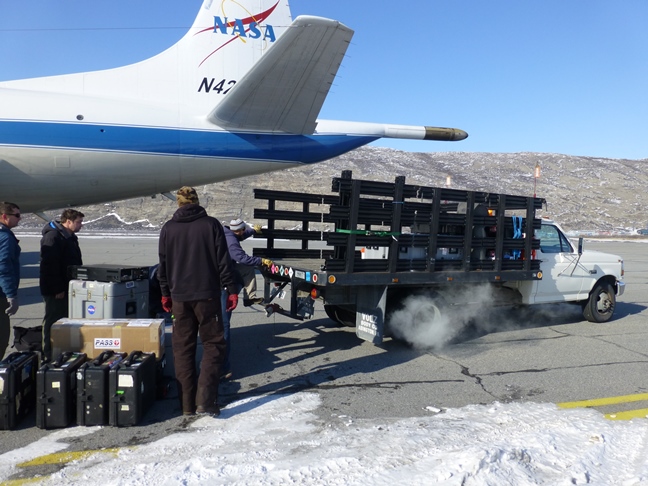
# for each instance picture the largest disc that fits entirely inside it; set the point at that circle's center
(265, 262)
(167, 304)
(13, 306)
(257, 228)
(232, 302)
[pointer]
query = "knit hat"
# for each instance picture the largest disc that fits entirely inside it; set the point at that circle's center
(187, 195)
(237, 224)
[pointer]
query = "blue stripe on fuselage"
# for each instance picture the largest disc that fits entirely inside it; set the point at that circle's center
(175, 141)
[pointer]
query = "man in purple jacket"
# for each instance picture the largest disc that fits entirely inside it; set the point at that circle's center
(245, 264)
(194, 267)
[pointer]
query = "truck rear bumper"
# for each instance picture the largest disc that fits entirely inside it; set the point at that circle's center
(620, 288)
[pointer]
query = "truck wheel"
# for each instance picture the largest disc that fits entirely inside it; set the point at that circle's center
(600, 305)
(342, 315)
(420, 320)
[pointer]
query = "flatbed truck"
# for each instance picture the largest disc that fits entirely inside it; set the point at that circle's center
(389, 241)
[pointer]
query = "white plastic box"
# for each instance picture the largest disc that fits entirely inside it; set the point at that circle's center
(90, 299)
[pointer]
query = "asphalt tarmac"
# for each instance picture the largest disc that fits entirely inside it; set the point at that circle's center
(546, 354)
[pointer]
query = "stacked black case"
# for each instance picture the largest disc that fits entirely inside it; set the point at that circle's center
(56, 391)
(108, 273)
(132, 388)
(93, 395)
(17, 387)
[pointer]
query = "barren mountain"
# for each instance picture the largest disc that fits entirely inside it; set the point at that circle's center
(582, 193)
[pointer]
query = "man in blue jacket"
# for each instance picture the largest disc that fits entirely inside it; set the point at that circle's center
(245, 264)
(244, 268)
(9, 270)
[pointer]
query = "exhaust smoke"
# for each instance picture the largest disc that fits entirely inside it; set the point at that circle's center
(429, 321)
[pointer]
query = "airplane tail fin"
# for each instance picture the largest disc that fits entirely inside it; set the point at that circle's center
(286, 89)
(226, 39)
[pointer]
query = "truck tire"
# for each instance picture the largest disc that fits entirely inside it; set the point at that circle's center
(424, 313)
(342, 315)
(600, 305)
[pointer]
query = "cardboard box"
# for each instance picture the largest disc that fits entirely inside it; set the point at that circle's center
(93, 336)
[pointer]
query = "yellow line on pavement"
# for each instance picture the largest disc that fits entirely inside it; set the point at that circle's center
(20, 482)
(599, 402)
(56, 458)
(65, 457)
(628, 414)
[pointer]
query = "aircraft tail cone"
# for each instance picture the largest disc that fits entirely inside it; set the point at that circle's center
(444, 134)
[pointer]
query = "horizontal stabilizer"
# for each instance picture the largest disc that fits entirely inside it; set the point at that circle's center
(285, 90)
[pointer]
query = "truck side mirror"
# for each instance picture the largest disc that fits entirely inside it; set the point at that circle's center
(580, 245)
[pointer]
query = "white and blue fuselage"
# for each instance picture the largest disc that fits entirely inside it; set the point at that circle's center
(208, 109)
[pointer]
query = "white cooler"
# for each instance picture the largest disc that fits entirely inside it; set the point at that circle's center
(90, 299)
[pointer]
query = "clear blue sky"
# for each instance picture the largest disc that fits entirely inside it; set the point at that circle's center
(557, 76)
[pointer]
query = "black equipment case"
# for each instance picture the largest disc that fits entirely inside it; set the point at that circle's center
(132, 388)
(108, 273)
(17, 387)
(28, 338)
(92, 397)
(56, 391)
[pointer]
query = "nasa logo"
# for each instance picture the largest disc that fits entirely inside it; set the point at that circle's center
(91, 310)
(245, 28)
(237, 27)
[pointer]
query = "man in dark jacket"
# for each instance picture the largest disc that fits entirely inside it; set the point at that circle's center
(194, 267)
(9, 270)
(59, 249)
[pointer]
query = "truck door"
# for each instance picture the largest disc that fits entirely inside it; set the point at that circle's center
(562, 276)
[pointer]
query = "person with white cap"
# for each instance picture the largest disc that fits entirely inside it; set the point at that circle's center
(237, 231)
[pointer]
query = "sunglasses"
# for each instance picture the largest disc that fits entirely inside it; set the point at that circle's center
(17, 215)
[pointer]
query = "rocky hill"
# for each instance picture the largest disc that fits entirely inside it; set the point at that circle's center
(582, 193)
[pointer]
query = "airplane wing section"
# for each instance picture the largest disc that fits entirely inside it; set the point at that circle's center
(284, 91)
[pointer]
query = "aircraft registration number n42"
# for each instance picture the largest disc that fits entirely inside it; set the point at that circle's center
(221, 87)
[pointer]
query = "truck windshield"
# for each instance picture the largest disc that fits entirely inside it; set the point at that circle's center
(552, 240)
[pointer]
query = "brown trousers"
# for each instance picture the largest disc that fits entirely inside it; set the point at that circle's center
(192, 319)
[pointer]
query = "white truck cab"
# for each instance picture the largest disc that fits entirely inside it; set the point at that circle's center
(570, 274)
